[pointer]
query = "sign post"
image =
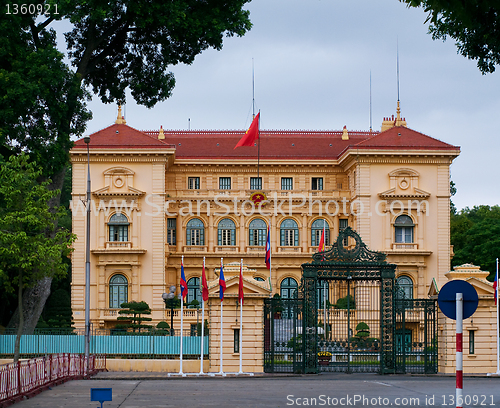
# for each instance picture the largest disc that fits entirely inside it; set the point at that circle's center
(458, 301)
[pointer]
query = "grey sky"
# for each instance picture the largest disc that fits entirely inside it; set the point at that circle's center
(312, 62)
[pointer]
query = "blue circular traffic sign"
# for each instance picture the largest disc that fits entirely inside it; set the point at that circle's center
(448, 296)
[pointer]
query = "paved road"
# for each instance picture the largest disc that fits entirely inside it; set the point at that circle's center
(136, 390)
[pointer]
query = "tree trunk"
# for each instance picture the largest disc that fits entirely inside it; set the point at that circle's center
(17, 346)
(35, 297)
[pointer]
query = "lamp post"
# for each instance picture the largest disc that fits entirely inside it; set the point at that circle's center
(86, 139)
(169, 299)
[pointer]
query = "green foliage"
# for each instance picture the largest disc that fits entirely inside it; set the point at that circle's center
(342, 303)
(28, 251)
(195, 303)
(58, 312)
(134, 312)
(475, 236)
(362, 330)
(163, 325)
(473, 25)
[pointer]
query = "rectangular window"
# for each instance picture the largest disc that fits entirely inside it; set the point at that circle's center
(471, 341)
(317, 183)
(118, 233)
(286, 183)
(255, 183)
(224, 183)
(258, 237)
(193, 183)
(236, 340)
(171, 230)
(195, 237)
(289, 237)
(225, 237)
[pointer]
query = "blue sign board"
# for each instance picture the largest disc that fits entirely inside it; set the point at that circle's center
(101, 394)
(448, 296)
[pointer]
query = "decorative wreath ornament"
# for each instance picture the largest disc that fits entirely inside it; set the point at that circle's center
(258, 197)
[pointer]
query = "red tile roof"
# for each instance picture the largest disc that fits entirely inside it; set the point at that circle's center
(274, 144)
(122, 137)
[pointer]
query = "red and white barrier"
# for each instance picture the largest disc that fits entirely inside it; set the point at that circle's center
(29, 377)
(460, 357)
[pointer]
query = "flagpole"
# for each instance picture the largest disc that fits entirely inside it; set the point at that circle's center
(202, 323)
(497, 302)
(221, 302)
(498, 339)
(241, 325)
(182, 321)
(324, 285)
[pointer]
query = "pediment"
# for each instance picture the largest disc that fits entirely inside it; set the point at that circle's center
(251, 287)
(483, 287)
(118, 181)
(403, 183)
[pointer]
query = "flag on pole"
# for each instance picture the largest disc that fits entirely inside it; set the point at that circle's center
(184, 287)
(204, 285)
(251, 135)
(321, 247)
(495, 288)
(240, 285)
(222, 282)
(268, 248)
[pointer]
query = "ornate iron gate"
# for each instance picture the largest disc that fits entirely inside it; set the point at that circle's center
(346, 318)
(416, 336)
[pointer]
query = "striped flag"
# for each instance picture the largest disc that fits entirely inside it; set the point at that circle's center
(268, 248)
(495, 288)
(183, 284)
(222, 282)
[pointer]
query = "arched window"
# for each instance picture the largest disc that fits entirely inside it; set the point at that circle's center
(118, 291)
(289, 233)
(118, 227)
(287, 288)
(259, 279)
(195, 232)
(403, 227)
(257, 232)
(194, 291)
(226, 232)
(404, 286)
(317, 231)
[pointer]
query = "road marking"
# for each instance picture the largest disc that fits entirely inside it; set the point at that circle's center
(377, 382)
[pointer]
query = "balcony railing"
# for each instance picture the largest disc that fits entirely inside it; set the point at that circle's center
(195, 248)
(401, 245)
(226, 248)
(118, 245)
(289, 249)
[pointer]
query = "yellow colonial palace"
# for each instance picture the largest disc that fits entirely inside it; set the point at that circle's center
(160, 195)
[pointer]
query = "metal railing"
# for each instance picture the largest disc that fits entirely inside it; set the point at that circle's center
(29, 377)
(113, 343)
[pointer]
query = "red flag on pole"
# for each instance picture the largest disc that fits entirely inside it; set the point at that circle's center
(321, 247)
(204, 285)
(240, 285)
(251, 135)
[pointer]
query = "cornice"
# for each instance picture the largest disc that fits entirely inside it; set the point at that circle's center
(365, 156)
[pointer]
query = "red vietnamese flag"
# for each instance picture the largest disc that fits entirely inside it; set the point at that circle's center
(240, 285)
(322, 242)
(251, 135)
(204, 286)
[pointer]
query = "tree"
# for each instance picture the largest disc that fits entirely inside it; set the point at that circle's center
(475, 236)
(474, 25)
(26, 253)
(112, 46)
(134, 311)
